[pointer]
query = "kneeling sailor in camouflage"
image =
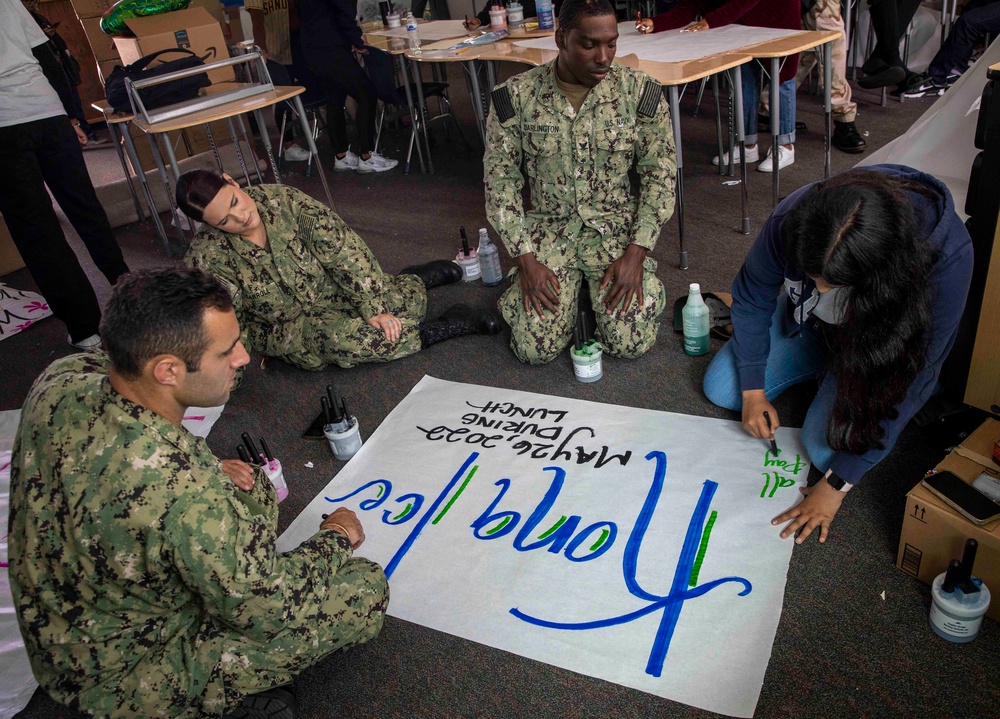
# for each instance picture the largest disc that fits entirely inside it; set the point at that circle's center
(578, 124)
(144, 569)
(306, 288)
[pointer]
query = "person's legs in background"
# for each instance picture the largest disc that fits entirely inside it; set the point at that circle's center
(786, 128)
(35, 228)
(978, 18)
(827, 15)
(352, 81)
(750, 78)
(884, 66)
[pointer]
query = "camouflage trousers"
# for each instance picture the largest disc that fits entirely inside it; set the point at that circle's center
(338, 334)
(826, 15)
(352, 614)
(537, 340)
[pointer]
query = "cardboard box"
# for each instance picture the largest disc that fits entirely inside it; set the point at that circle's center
(104, 67)
(934, 533)
(193, 29)
(103, 46)
(10, 258)
(197, 138)
(91, 8)
(145, 153)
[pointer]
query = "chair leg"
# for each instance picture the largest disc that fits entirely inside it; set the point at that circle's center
(315, 136)
(701, 92)
(378, 126)
(281, 140)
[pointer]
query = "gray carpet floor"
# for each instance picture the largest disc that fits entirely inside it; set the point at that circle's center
(853, 639)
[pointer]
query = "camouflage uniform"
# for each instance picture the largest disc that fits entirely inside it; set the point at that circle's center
(146, 584)
(583, 212)
(308, 298)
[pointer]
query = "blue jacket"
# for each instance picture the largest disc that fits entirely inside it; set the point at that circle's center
(766, 269)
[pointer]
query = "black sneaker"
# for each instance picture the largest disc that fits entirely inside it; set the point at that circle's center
(846, 138)
(891, 75)
(926, 87)
(276, 703)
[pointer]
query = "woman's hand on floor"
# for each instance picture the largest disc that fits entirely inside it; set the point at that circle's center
(817, 509)
(389, 325)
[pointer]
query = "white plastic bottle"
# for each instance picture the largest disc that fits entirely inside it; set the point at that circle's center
(489, 260)
(695, 317)
(413, 32)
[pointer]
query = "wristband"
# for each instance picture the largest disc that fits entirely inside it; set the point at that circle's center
(838, 483)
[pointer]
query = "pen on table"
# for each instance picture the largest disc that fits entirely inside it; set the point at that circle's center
(774, 445)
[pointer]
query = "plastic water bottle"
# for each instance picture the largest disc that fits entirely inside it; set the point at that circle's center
(413, 32)
(489, 260)
(546, 20)
(695, 316)
(427, 13)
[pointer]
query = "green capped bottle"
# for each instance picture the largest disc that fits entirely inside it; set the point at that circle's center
(695, 317)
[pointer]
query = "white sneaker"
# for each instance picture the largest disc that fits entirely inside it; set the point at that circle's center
(785, 158)
(752, 153)
(376, 163)
(294, 153)
(90, 343)
(347, 163)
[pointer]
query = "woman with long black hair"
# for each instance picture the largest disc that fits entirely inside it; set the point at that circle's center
(859, 280)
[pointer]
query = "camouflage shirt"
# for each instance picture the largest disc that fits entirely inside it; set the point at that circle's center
(315, 261)
(133, 556)
(578, 162)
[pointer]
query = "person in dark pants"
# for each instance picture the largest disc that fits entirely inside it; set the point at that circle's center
(39, 147)
(884, 66)
(979, 17)
(330, 40)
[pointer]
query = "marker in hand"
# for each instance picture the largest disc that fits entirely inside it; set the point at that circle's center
(774, 445)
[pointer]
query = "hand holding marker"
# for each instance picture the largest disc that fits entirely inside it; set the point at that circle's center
(774, 445)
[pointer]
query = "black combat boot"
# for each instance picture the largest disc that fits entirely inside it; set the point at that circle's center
(276, 703)
(435, 273)
(459, 320)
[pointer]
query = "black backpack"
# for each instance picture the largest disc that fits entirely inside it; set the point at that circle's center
(185, 88)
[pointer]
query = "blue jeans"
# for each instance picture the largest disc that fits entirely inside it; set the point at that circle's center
(790, 361)
(750, 76)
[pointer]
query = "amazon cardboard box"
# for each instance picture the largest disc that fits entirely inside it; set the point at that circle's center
(10, 258)
(934, 533)
(192, 29)
(103, 46)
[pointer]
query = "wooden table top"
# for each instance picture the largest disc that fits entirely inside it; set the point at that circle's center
(221, 112)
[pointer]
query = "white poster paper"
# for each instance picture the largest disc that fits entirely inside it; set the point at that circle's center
(626, 544)
(19, 310)
(678, 46)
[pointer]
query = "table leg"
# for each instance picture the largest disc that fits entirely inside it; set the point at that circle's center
(166, 187)
(775, 125)
(418, 81)
(311, 141)
(478, 104)
(267, 145)
(113, 130)
(414, 121)
(248, 141)
(215, 148)
(239, 150)
(675, 119)
(827, 105)
(718, 123)
(133, 158)
(741, 138)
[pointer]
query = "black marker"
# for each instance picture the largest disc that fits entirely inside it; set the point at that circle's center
(327, 419)
(248, 441)
(951, 576)
(242, 452)
(577, 338)
(267, 451)
(331, 396)
(346, 416)
(465, 241)
(965, 582)
(774, 445)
